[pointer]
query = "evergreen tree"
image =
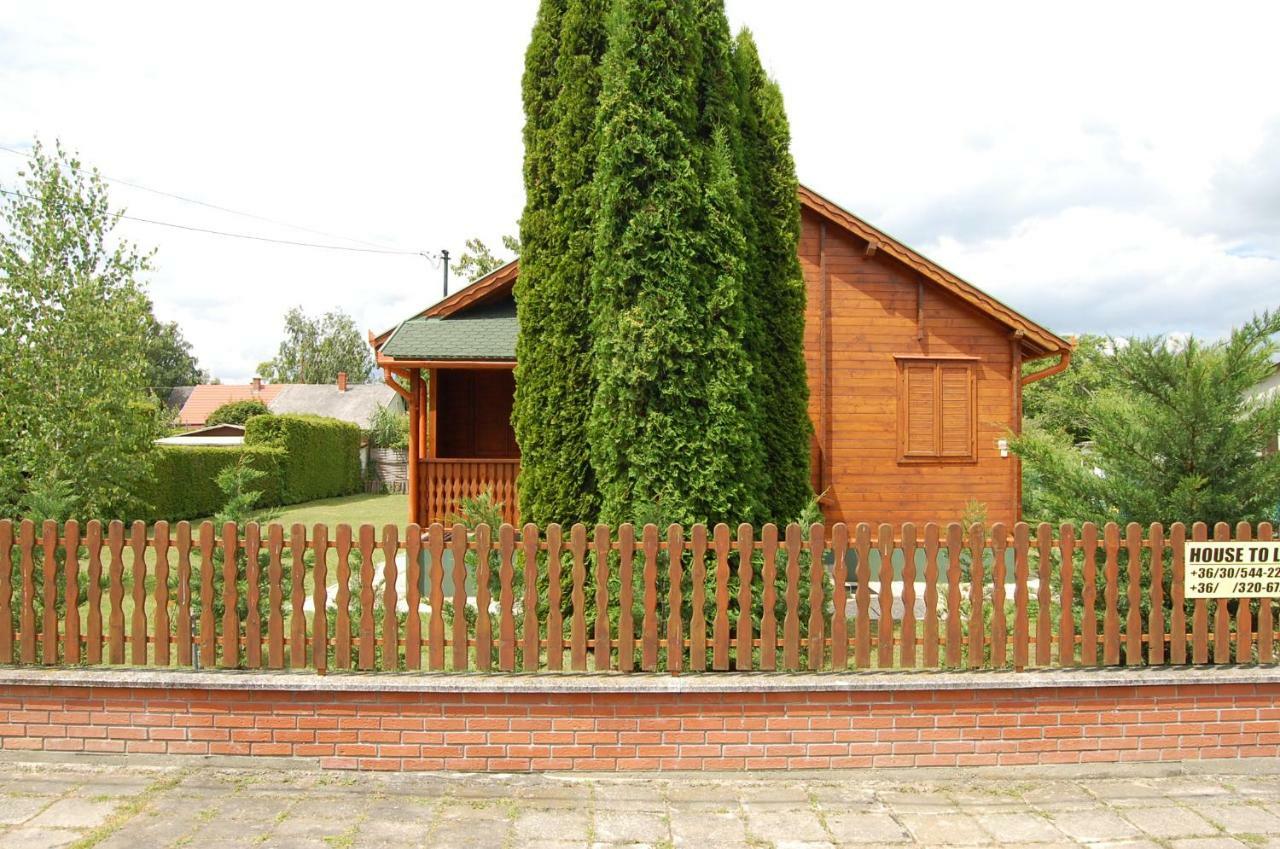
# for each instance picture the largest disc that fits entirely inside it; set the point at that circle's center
(775, 290)
(553, 374)
(665, 428)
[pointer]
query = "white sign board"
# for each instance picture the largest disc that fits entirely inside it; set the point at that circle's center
(1234, 569)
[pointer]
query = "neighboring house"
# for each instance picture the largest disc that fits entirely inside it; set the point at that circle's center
(915, 381)
(355, 403)
(219, 434)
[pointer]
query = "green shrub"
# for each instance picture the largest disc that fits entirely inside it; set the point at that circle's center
(321, 456)
(184, 481)
(389, 428)
(237, 412)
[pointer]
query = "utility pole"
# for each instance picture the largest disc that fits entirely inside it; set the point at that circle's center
(444, 256)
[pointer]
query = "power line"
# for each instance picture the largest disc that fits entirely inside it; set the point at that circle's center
(226, 209)
(250, 236)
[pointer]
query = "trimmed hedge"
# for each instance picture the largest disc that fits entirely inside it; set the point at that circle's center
(183, 482)
(321, 455)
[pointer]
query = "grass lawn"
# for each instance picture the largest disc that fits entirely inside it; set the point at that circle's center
(353, 510)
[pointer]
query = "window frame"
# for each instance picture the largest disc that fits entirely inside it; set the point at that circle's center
(938, 362)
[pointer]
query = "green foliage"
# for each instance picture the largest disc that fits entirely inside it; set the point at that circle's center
(667, 426)
(553, 372)
(185, 484)
(1175, 436)
(1061, 403)
(315, 350)
(478, 260)
(775, 290)
(389, 427)
(237, 412)
(74, 321)
(243, 487)
(321, 455)
(48, 498)
(170, 362)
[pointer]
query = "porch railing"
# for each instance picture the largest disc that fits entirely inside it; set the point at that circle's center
(820, 598)
(446, 482)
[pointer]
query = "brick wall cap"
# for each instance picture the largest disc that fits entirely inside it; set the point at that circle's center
(722, 682)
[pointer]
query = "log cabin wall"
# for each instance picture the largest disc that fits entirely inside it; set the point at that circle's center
(868, 317)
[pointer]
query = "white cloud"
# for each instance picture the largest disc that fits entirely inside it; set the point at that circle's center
(1099, 166)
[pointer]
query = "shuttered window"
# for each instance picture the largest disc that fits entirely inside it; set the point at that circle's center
(936, 417)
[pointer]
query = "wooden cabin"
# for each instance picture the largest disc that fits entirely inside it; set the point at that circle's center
(915, 382)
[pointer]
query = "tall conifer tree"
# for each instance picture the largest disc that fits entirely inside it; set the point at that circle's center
(775, 290)
(553, 377)
(666, 430)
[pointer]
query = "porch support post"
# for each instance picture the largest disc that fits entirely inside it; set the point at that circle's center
(415, 415)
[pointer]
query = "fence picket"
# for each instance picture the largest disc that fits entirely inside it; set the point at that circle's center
(506, 600)
(884, 598)
(955, 632)
(907, 657)
(208, 624)
(1044, 602)
(578, 598)
(484, 597)
(931, 641)
(71, 577)
(1221, 613)
(1089, 596)
(769, 599)
(275, 596)
(816, 639)
(626, 597)
(999, 577)
(697, 598)
(1067, 619)
(138, 618)
(603, 649)
(230, 596)
(390, 600)
(528, 602)
(49, 594)
(6, 590)
(791, 623)
(555, 616)
(649, 628)
(320, 613)
(458, 638)
(342, 621)
(365, 629)
(742, 653)
(253, 618)
(1200, 610)
(840, 598)
(162, 631)
(183, 541)
(115, 598)
(1021, 544)
(1244, 610)
(1155, 622)
(27, 609)
(1133, 617)
(675, 573)
(413, 597)
(977, 551)
(1111, 619)
(720, 623)
(1178, 617)
(1266, 625)
(297, 595)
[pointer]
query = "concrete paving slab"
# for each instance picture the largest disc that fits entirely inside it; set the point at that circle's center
(74, 813)
(38, 838)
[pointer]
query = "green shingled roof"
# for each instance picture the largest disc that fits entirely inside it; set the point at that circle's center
(483, 333)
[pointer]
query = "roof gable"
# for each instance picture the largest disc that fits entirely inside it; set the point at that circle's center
(497, 286)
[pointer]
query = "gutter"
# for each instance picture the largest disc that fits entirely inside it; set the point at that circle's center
(1064, 360)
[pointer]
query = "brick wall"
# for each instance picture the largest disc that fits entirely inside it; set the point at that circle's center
(608, 731)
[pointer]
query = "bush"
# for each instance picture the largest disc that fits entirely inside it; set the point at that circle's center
(184, 481)
(237, 412)
(321, 456)
(389, 428)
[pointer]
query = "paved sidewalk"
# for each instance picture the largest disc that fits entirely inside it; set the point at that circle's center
(50, 805)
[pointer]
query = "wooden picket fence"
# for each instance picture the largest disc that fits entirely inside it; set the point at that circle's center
(674, 599)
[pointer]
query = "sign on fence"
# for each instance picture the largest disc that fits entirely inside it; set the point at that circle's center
(1236, 569)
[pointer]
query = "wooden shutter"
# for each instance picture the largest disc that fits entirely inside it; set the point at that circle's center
(955, 389)
(920, 397)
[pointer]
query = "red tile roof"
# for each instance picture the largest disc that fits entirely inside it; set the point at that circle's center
(206, 398)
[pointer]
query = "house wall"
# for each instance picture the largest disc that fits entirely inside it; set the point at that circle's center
(474, 414)
(870, 305)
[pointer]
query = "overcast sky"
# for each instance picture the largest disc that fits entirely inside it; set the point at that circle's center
(1109, 167)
